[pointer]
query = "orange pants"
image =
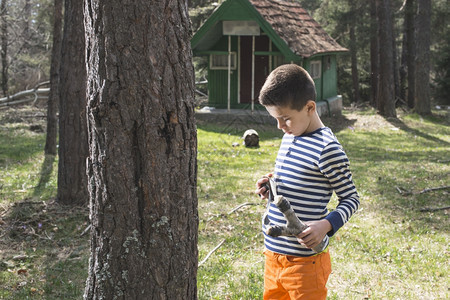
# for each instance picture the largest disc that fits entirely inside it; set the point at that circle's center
(292, 277)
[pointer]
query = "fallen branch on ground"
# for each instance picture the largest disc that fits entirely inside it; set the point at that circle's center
(402, 191)
(426, 209)
(240, 206)
(86, 230)
(231, 211)
(211, 252)
(434, 189)
(27, 96)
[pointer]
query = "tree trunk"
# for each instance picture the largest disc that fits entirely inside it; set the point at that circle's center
(26, 22)
(386, 97)
(396, 65)
(422, 103)
(374, 54)
(353, 52)
(142, 150)
(403, 67)
(4, 54)
(73, 146)
(53, 98)
(411, 49)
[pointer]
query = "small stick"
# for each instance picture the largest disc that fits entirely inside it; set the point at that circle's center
(240, 206)
(86, 230)
(403, 192)
(211, 252)
(434, 208)
(434, 189)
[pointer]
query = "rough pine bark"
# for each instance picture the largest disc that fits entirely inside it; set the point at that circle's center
(422, 103)
(403, 68)
(411, 49)
(4, 40)
(353, 52)
(142, 163)
(386, 96)
(53, 98)
(374, 54)
(73, 147)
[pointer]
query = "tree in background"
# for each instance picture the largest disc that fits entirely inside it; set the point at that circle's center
(142, 162)
(374, 55)
(410, 51)
(26, 43)
(4, 44)
(386, 86)
(73, 145)
(442, 77)
(353, 49)
(53, 98)
(440, 51)
(422, 58)
(26, 38)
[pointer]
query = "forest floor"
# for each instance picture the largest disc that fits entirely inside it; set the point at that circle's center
(395, 247)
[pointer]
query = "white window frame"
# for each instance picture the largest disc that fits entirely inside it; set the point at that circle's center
(224, 66)
(315, 69)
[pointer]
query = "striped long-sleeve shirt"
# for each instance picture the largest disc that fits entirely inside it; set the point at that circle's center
(308, 169)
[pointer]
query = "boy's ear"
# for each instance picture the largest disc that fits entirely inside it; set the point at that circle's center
(310, 106)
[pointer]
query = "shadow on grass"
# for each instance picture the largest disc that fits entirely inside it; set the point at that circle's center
(266, 126)
(45, 174)
(338, 123)
(400, 124)
(404, 179)
(18, 148)
(47, 238)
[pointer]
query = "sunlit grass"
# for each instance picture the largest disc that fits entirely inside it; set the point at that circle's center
(393, 248)
(389, 250)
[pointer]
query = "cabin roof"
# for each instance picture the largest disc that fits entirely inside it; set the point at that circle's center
(286, 23)
(294, 25)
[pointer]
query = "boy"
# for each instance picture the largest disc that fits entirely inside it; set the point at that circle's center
(310, 165)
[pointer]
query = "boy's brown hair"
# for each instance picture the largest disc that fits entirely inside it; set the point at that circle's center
(288, 86)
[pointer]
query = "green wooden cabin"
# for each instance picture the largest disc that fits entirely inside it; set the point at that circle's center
(245, 40)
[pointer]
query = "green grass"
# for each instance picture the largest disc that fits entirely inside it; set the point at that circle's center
(390, 249)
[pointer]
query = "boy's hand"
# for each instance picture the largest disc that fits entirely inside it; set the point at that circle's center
(261, 190)
(314, 234)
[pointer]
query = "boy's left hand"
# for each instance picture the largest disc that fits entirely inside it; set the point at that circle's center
(315, 233)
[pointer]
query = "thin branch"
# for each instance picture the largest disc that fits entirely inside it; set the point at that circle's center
(403, 192)
(434, 208)
(434, 189)
(211, 252)
(86, 230)
(240, 206)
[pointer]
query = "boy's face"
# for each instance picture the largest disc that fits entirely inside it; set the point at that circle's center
(292, 121)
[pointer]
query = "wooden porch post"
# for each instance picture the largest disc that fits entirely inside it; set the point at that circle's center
(229, 73)
(253, 73)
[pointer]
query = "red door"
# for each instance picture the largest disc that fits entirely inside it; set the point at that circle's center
(261, 66)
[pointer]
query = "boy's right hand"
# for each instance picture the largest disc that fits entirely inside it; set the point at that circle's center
(261, 188)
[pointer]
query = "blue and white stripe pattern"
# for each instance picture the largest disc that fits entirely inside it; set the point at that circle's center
(308, 169)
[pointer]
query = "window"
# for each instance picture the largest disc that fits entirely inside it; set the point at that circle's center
(315, 69)
(328, 64)
(279, 60)
(220, 61)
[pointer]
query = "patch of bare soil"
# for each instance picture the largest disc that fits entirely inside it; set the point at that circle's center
(368, 121)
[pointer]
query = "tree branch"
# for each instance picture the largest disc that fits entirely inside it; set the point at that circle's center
(434, 189)
(240, 206)
(211, 252)
(434, 208)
